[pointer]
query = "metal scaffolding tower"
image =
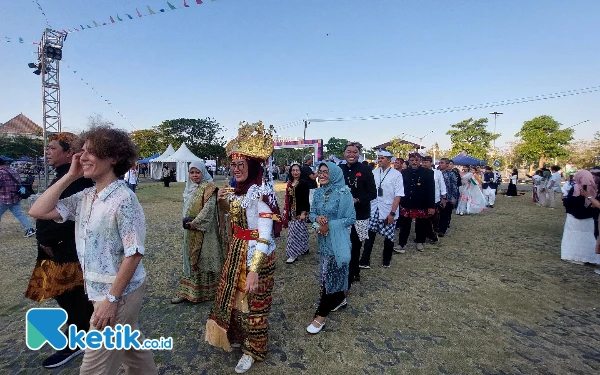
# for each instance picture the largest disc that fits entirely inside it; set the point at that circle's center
(49, 56)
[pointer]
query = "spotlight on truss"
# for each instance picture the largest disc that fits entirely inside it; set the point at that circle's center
(54, 52)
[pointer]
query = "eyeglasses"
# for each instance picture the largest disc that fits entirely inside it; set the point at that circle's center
(323, 171)
(240, 165)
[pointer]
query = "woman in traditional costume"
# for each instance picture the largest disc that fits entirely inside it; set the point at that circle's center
(471, 199)
(512, 184)
(332, 214)
(240, 313)
(578, 242)
(202, 254)
(295, 212)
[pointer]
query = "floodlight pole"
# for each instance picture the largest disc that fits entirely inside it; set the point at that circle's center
(496, 114)
(50, 88)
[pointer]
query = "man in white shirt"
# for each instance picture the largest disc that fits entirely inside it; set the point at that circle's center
(554, 185)
(440, 197)
(384, 209)
(131, 178)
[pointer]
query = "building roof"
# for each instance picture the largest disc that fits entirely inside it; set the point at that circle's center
(21, 124)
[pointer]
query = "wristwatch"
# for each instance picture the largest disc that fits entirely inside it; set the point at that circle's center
(112, 298)
(393, 213)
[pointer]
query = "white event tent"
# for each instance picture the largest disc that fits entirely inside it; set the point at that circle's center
(181, 160)
(156, 164)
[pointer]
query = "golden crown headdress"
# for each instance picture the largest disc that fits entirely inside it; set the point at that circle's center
(252, 141)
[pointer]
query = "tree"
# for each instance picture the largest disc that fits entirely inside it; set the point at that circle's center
(336, 146)
(286, 156)
(149, 141)
(17, 146)
(542, 138)
(400, 148)
(97, 119)
(471, 137)
(202, 136)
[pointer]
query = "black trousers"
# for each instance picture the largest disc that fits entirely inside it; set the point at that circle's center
(445, 215)
(354, 256)
(435, 223)
(166, 181)
(78, 307)
(329, 302)
(388, 248)
(421, 229)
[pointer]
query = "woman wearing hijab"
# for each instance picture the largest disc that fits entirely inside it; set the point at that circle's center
(295, 212)
(240, 314)
(202, 254)
(512, 184)
(332, 214)
(578, 241)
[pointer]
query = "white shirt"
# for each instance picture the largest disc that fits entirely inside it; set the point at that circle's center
(537, 179)
(557, 179)
(440, 185)
(107, 229)
(131, 177)
(392, 184)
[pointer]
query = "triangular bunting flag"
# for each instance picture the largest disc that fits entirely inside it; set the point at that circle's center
(112, 20)
(138, 12)
(150, 10)
(185, 4)
(119, 18)
(88, 26)
(95, 24)
(198, 2)
(161, 10)
(171, 6)
(129, 16)
(20, 40)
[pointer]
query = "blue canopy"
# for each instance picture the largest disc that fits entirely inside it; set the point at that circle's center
(464, 159)
(25, 158)
(5, 158)
(147, 160)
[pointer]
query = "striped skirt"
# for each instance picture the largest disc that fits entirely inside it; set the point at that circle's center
(297, 239)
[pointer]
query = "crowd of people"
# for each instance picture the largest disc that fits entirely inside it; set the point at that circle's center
(91, 232)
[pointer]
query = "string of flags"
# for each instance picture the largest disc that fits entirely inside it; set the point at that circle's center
(466, 107)
(43, 13)
(107, 101)
(144, 12)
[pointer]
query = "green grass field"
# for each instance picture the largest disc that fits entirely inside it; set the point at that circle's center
(493, 297)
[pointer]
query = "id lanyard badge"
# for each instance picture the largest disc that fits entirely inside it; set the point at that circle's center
(380, 191)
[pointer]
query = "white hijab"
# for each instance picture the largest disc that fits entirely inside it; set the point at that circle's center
(190, 186)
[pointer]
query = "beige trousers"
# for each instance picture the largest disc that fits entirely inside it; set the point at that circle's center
(108, 362)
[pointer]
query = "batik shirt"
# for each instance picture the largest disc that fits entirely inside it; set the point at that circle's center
(108, 228)
(451, 185)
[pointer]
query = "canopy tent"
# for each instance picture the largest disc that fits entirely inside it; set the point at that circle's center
(156, 164)
(180, 160)
(464, 159)
(147, 160)
(26, 159)
(6, 158)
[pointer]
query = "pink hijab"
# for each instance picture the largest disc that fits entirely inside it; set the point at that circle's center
(581, 178)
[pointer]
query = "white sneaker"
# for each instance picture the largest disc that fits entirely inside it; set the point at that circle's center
(30, 232)
(244, 364)
(364, 266)
(420, 247)
(291, 260)
(399, 249)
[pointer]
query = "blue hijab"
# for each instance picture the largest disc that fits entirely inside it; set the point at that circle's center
(335, 202)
